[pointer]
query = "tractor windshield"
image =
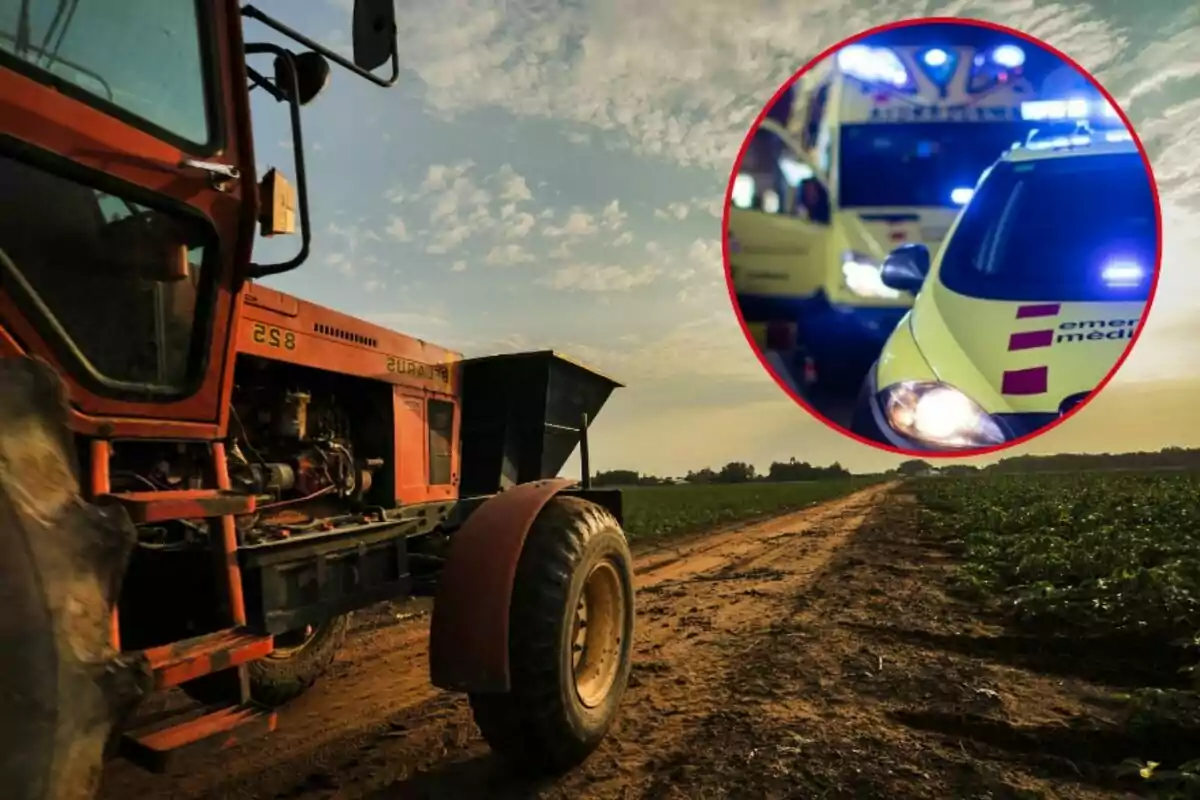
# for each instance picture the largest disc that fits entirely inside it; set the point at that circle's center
(121, 291)
(142, 60)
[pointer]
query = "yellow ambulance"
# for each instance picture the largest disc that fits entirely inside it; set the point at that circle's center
(1030, 303)
(881, 147)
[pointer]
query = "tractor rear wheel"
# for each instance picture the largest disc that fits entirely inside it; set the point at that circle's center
(570, 640)
(299, 659)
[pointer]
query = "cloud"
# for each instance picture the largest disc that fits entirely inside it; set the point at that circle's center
(598, 278)
(577, 223)
(340, 262)
(448, 239)
(622, 239)
(673, 211)
(678, 80)
(422, 324)
(397, 230)
(354, 236)
(439, 177)
(520, 225)
(507, 255)
(513, 188)
(612, 217)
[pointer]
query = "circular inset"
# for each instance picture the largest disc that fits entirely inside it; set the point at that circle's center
(942, 237)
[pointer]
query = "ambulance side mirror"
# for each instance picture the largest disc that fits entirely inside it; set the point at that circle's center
(906, 267)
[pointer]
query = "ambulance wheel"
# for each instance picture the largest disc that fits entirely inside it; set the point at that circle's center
(300, 658)
(570, 641)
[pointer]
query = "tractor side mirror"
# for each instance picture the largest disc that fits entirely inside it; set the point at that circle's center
(906, 268)
(311, 75)
(149, 246)
(374, 33)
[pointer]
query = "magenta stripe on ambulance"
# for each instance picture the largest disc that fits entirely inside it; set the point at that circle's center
(1041, 310)
(1028, 340)
(1025, 381)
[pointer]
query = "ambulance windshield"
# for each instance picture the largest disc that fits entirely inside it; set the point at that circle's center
(918, 164)
(1060, 230)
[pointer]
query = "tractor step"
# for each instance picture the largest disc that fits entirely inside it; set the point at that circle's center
(195, 731)
(178, 662)
(164, 506)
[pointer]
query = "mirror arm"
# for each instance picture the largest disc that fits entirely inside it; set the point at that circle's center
(260, 80)
(253, 13)
(263, 270)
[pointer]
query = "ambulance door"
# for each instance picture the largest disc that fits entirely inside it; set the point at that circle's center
(778, 221)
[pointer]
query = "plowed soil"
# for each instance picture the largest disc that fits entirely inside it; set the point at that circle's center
(814, 655)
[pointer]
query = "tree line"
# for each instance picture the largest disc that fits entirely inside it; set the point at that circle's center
(1169, 458)
(733, 472)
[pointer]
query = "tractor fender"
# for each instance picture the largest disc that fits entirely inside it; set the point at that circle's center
(468, 638)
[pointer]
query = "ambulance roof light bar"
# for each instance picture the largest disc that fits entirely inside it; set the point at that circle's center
(1009, 56)
(1078, 108)
(873, 65)
(1083, 136)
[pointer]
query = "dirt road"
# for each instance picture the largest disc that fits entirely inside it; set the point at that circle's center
(375, 728)
(817, 655)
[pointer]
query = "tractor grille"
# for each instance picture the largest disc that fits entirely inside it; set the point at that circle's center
(345, 335)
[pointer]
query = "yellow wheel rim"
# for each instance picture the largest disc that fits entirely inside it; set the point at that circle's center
(598, 631)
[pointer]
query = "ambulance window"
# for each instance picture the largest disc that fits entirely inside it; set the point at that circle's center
(1067, 230)
(917, 164)
(763, 181)
(816, 111)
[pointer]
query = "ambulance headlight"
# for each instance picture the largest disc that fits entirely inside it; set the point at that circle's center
(938, 415)
(861, 275)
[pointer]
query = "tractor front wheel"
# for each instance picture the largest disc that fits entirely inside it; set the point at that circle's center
(570, 640)
(299, 659)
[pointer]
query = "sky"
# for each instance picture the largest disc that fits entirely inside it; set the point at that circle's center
(550, 174)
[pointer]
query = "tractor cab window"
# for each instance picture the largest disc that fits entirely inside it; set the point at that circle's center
(115, 287)
(143, 57)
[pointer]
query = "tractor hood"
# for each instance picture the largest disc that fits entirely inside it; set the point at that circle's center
(523, 415)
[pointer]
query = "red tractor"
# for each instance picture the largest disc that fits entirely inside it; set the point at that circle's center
(202, 477)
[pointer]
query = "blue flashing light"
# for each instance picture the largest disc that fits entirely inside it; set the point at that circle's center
(1044, 110)
(936, 58)
(873, 65)
(1008, 56)
(962, 195)
(1123, 273)
(1096, 113)
(1058, 142)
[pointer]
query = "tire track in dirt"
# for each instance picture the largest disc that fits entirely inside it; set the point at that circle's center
(375, 728)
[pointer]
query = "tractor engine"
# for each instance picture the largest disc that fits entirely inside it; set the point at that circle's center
(291, 447)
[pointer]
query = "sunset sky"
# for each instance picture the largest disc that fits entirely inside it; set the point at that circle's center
(550, 173)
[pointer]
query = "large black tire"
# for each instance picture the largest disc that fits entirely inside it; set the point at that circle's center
(567, 680)
(285, 674)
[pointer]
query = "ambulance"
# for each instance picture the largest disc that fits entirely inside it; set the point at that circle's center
(882, 146)
(1032, 300)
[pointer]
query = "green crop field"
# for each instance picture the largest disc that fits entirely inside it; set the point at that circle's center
(655, 511)
(1099, 552)
(1110, 556)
